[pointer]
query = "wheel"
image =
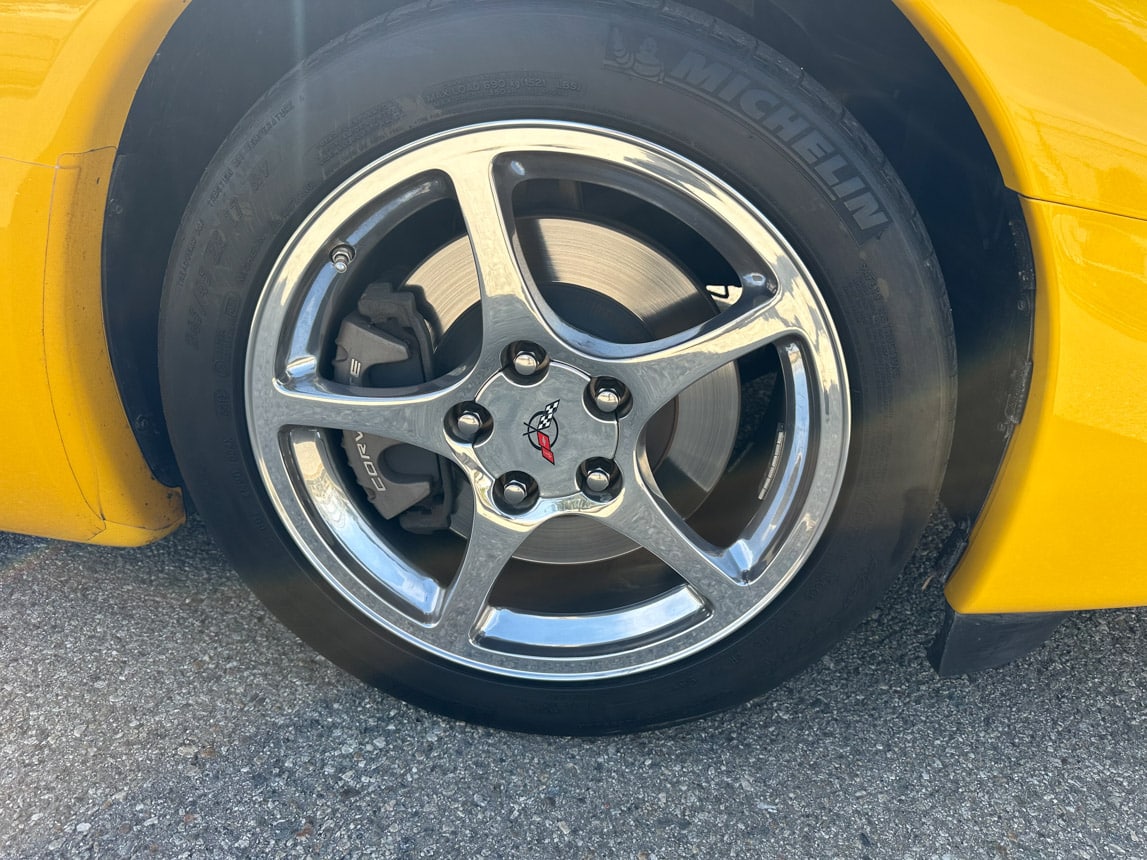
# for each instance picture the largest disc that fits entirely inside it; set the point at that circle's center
(560, 367)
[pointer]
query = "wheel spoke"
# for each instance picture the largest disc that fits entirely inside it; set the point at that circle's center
(493, 542)
(415, 418)
(658, 371)
(510, 307)
(647, 519)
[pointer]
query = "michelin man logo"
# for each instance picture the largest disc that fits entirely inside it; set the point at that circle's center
(643, 62)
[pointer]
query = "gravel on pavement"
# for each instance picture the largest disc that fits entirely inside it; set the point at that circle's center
(152, 707)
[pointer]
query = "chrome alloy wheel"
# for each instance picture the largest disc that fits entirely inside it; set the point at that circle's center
(613, 406)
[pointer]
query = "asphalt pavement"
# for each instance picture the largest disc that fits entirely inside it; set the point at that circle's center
(151, 707)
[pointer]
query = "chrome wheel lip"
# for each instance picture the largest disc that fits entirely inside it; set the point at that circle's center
(326, 524)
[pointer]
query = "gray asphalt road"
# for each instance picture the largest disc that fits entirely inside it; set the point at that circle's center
(152, 708)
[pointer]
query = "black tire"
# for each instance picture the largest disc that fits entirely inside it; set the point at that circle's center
(680, 81)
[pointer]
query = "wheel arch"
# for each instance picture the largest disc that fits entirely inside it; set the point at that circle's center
(222, 55)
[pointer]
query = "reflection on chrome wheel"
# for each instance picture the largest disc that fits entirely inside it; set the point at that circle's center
(546, 426)
(565, 400)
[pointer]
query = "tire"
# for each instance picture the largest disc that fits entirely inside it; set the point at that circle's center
(666, 449)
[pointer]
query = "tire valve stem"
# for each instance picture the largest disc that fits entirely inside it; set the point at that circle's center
(341, 258)
(760, 282)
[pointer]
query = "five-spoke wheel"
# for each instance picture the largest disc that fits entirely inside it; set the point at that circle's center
(526, 419)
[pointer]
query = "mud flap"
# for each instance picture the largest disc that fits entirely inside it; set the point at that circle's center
(973, 643)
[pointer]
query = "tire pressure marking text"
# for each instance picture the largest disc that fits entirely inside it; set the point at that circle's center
(510, 83)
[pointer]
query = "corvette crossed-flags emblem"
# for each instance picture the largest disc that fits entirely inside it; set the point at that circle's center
(542, 430)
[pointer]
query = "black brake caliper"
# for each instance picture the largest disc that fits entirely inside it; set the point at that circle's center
(387, 344)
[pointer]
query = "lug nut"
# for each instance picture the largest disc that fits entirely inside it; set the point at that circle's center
(607, 396)
(607, 399)
(468, 423)
(515, 492)
(527, 360)
(597, 480)
(341, 258)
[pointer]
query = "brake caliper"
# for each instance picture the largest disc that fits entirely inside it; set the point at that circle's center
(388, 344)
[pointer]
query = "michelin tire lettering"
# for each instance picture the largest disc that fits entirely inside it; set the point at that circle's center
(761, 107)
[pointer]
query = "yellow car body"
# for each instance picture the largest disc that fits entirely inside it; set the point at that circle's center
(1059, 88)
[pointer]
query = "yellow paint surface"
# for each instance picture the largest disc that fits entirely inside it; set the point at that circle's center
(70, 467)
(1064, 526)
(1059, 87)
(70, 68)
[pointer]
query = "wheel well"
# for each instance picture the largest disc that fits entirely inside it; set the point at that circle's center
(223, 54)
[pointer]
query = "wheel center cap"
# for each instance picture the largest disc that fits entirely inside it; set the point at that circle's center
(546, 429)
